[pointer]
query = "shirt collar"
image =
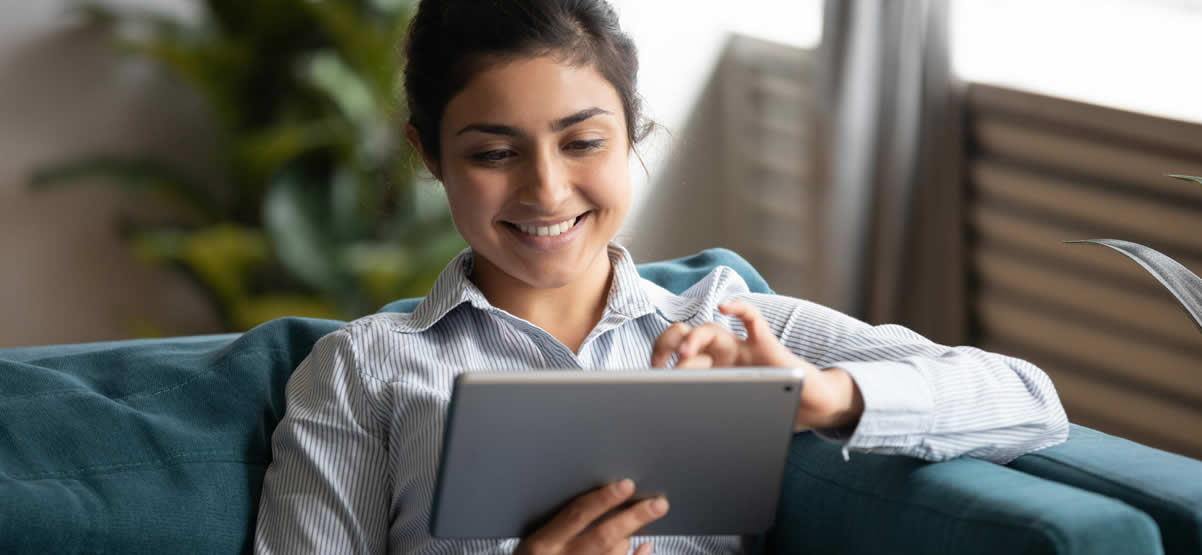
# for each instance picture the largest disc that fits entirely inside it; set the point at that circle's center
(453, 287)
(627, 296)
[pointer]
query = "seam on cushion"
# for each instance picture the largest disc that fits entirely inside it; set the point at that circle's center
(101, 469)
(1054, 534)
(222, 359)
(1181, 505)
(141, 394)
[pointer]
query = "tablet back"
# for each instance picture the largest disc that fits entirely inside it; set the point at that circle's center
(519, 445)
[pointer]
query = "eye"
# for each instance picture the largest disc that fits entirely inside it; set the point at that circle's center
(493, 156)
(585, 146)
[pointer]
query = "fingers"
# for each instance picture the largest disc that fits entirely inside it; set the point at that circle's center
(710, 345)
(667, 344)
(582, 511)
(700, 361)
(705, 346)
(711, 341)
(645, 549)
(757, 328)
(621, 526)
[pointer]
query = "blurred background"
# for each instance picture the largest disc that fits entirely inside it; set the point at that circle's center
(172, 167)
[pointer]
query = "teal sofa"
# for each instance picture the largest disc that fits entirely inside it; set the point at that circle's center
(159, 446)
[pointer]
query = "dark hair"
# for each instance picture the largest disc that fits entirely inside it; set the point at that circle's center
(451, 40)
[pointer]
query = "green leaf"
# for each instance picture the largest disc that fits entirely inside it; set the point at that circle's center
(1183, 284)
(300, 233)
(380, 267)
(220, 256)
(365, 41)
(133, 175)
(348, 206)
(327, 72)
(265, 152)
(1195, 179)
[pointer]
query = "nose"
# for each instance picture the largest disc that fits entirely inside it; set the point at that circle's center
(548, 183)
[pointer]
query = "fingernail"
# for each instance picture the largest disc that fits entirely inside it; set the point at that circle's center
(626, 486)
(660, 506)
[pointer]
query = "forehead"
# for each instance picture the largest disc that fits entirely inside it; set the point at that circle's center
(530, 92)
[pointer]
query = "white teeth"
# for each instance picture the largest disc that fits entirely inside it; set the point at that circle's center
(548, 231)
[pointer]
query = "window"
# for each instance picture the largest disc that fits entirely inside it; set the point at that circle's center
(1137, 55)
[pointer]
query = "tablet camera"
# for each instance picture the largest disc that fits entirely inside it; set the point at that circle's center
(788, 388)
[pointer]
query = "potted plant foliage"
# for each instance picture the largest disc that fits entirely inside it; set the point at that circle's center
(317, 212)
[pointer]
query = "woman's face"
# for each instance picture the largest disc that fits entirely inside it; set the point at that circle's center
(534, 162)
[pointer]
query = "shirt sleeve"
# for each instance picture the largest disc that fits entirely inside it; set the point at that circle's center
(923, 399)
(327, 486)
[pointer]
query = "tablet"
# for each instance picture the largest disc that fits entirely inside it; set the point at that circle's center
(519, 445)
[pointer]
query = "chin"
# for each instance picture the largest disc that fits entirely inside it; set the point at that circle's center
(542, 276)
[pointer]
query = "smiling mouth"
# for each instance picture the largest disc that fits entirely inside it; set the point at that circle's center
(548, 230)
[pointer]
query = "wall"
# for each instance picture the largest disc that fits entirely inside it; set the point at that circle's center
(65, 276)
(680, 43)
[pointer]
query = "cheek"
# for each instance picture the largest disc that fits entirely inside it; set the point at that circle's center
(473, 195)
(611, 183)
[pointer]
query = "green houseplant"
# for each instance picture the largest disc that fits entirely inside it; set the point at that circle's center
(1184, 285)
(318, 211)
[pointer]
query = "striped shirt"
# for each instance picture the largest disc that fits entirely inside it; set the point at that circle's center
(355, 456)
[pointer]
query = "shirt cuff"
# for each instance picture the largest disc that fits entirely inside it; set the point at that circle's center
(898, 406)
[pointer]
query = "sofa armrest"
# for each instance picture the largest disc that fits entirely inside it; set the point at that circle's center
(892, 504)
(1167, 487)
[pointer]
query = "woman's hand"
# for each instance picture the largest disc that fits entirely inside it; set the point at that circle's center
(578, 528)
(829, 398)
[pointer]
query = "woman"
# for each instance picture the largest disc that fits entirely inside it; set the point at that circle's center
(526, 111)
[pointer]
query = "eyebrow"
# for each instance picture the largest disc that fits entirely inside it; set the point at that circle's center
(557, 125)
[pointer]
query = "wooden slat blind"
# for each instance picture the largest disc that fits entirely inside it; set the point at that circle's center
(767, 103)
(1040, 171)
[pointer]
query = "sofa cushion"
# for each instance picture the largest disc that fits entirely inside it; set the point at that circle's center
(156, 446)
(148, 446)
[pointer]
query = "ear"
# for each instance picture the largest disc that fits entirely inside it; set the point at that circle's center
(416, 143)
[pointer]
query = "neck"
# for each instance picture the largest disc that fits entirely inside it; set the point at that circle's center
(568, 312)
